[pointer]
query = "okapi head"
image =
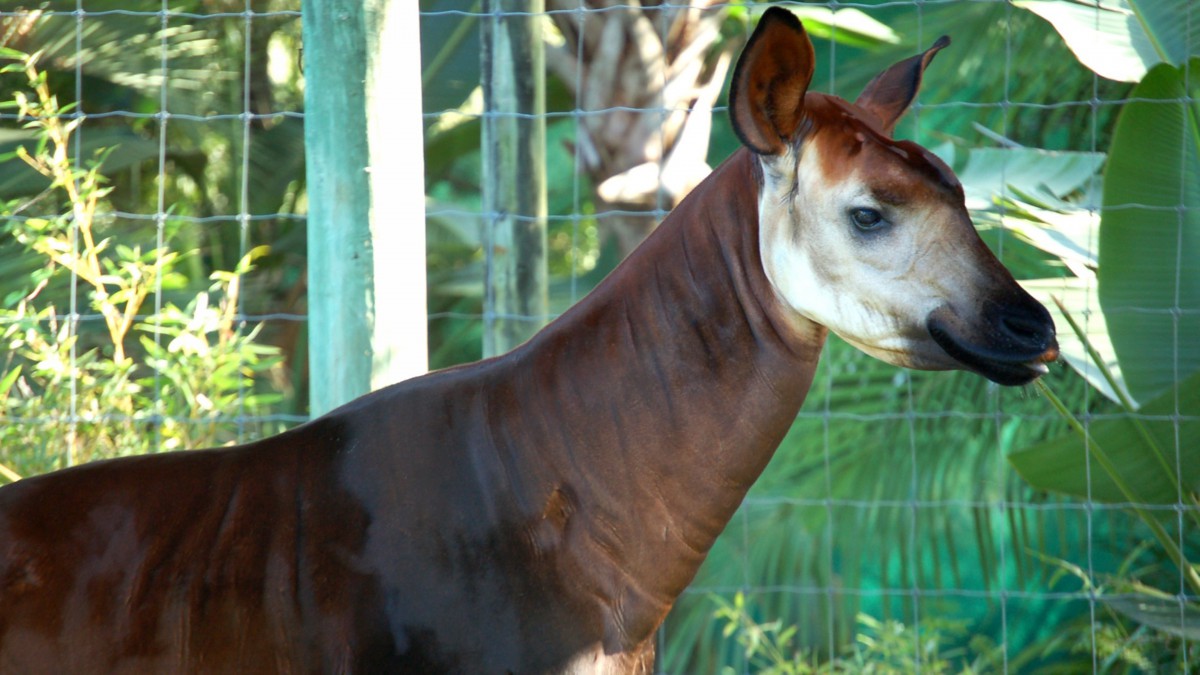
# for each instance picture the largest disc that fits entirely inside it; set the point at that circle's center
(870, 236)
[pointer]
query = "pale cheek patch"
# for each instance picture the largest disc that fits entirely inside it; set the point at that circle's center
(819, 270)
(805, 262)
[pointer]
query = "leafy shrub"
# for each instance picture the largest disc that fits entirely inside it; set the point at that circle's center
(72, 391)
(880, 647)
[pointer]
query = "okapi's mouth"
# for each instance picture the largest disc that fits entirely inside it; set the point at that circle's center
(1016, 346)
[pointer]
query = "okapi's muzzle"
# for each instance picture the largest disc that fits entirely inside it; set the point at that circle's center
(1009, 343)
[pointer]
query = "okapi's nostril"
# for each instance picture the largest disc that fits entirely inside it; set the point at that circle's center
(1028, 330)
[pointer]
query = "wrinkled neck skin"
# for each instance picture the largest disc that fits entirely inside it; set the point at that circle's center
(689, 371)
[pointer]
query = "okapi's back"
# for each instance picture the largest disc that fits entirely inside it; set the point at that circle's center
(215, 560)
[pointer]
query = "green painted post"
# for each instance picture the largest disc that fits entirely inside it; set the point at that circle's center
(514, 172)
(366, 216)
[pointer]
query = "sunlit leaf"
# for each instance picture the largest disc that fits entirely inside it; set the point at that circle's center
(1032, 172)
(1122, 39)
(1079, 297)
(1149, 284)
(845, 25)
(8, 380)
(1072, 237)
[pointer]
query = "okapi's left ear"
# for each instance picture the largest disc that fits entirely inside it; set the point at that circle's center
(892, 91)
(766, 97)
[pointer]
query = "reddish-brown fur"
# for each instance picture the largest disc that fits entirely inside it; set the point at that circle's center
(537, 512)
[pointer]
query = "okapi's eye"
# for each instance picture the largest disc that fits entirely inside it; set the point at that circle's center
(866, 219)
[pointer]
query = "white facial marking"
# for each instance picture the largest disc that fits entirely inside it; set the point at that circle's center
(875, 288)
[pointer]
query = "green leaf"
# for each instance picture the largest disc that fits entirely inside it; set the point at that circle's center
(845, 25)
(1061, 464)
(1122, 39)
(1079, 297)
(18, 179)
(1162, 614)
(7, 382)
(1069, 235)
(1045, 174)
(1149, 284)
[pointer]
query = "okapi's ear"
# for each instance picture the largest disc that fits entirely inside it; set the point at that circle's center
(892, 91)
(766, 98)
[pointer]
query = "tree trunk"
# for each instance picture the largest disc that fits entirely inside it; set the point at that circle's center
(646, 79)
(514, 174)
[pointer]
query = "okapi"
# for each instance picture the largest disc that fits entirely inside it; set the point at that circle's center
(539, 511)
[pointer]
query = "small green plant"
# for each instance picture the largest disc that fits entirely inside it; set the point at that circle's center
(935, 646)
(1136, 628)
(70, 392)
(769, 646)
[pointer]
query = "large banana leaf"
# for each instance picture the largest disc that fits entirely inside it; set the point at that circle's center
(1149, 282)
(1062, 464)
(1122, 39)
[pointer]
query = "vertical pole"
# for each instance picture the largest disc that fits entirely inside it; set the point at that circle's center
(339, 254)
(366, 220)
(396, 133)
(514, 172)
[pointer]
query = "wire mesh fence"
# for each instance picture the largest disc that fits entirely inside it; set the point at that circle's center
(157, 147)
(923, 522)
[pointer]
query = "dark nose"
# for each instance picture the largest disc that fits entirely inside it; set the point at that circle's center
(1027, 328)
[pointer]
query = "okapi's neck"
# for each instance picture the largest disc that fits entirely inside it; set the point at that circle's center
(685, 375)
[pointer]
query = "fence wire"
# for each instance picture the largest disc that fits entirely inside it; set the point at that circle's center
(935, 546)
(184, 104)
(893, 498)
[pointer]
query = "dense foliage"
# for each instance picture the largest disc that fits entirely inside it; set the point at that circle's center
(149, 224)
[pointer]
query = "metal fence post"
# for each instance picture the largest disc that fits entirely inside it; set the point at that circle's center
(366, 222)
(514, 173)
